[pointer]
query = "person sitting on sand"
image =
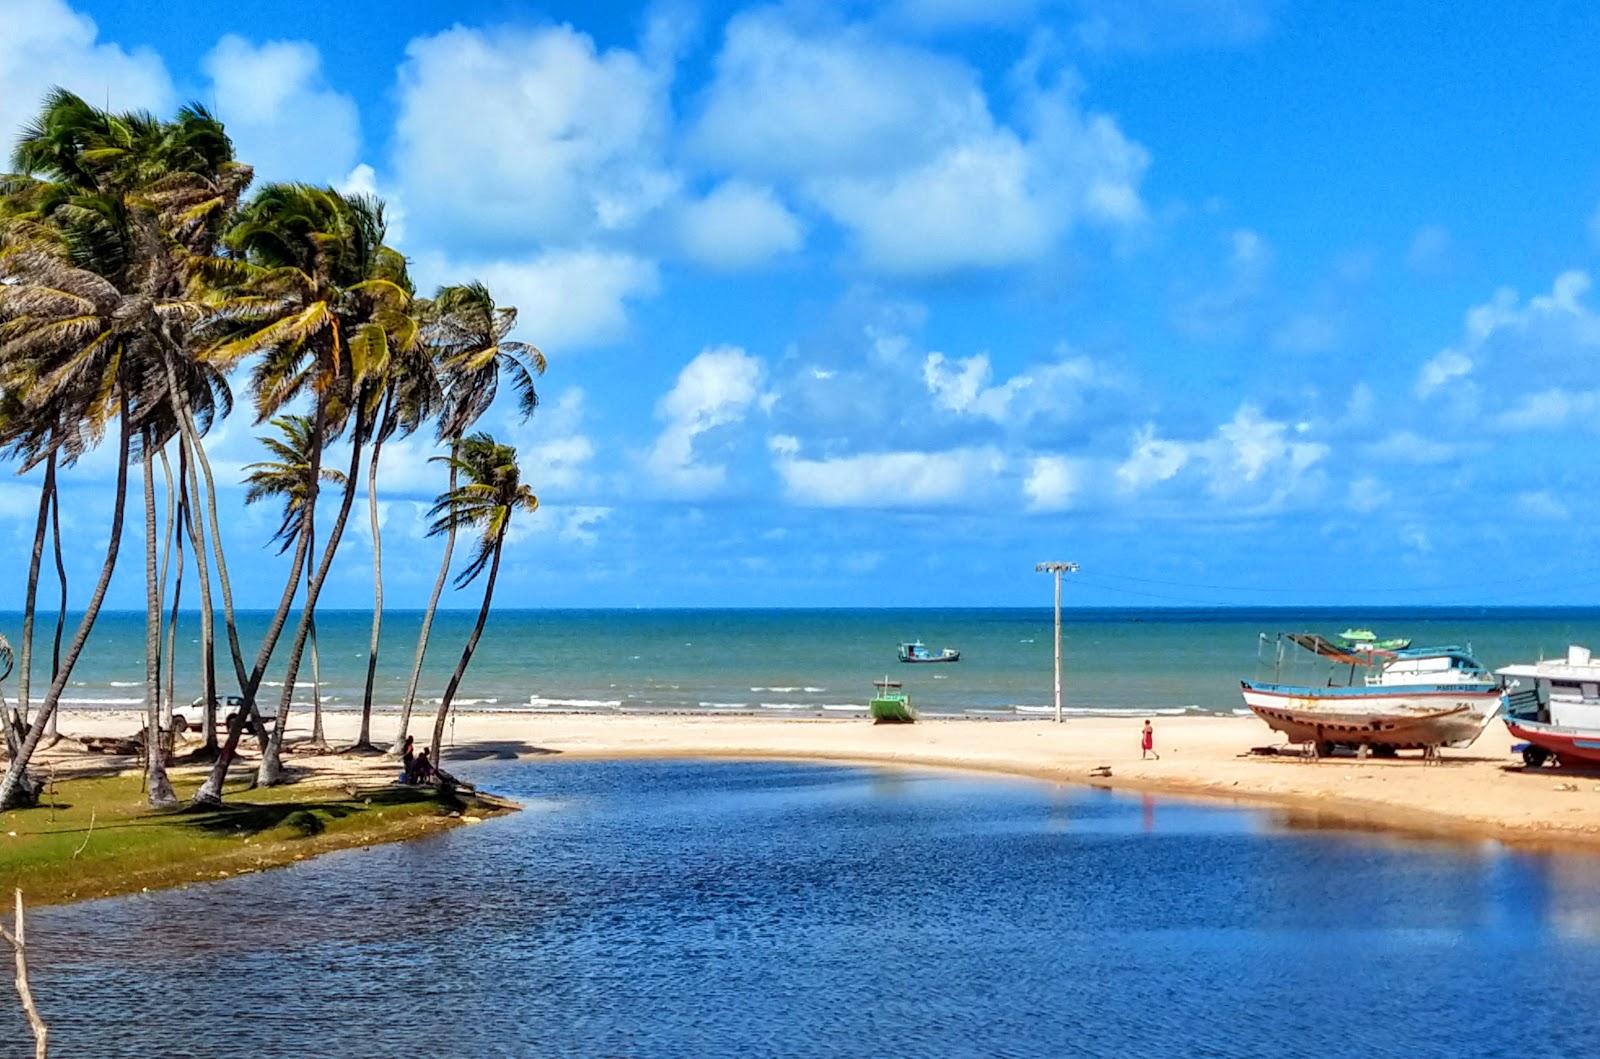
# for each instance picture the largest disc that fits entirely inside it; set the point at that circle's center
(1147, 743)
(421, 768)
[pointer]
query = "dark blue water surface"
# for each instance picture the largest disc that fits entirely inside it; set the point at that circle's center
(687, 909)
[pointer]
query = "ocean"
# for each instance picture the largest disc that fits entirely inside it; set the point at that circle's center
(750, 909)
(816, 662)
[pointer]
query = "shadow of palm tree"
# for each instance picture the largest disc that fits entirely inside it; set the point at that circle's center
(497, 750)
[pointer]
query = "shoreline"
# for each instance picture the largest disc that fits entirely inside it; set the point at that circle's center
(1477, 794)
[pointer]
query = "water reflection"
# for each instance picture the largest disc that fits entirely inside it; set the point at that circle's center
(718, 909)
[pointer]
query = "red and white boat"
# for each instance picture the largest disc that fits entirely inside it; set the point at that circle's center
(1410, 698)
(1554, 706)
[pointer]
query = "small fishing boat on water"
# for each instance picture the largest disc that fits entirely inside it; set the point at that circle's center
(1411, 698)
(891, 705)
(1554, 704)
(1366, 639)
(917, 651)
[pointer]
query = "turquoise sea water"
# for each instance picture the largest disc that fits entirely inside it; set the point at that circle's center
(823, 661)
(716, 909)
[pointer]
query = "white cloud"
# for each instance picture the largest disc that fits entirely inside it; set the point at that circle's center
(515, 134)
(890, 479)
(1551, 340)
(578, 525)
(1247, 450)
(363, 180)
(557, 453)
(962, 386)
(899, 145)
(717, 388)
(1409, 447)
(1541, 504)
(46, 43)
(1052, 484)
(783, 445)
(565, 299)
(1367, 494)
(1448, 364)
(1057, 389)
(738, 225)
(1151, 460)
(1551, 410)
(282, 116)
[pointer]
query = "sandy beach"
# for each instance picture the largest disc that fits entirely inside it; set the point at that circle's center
(1478, 793)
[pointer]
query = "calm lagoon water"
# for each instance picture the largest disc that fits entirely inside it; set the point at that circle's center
(698, 909)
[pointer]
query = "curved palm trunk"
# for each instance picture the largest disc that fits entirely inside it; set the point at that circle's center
(46, 490)
(208, 633)
(13, 790)
(53, 733)
(364, 740)
(427, 627)
(165, 631)
(319, 738)
(185, 417)
(472, 645)
(160, 788)
(271, 771)
(168, 693)
(210, 792)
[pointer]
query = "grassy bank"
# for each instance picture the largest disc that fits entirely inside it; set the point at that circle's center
(93, 837)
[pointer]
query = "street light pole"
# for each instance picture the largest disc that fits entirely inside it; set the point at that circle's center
(1058, 569)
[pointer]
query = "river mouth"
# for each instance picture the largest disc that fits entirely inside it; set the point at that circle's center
(696, 908)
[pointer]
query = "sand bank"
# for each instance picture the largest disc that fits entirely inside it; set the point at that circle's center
(1476, 793)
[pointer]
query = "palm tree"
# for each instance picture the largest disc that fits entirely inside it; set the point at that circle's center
(493, 492)
(97, 298)
(468, 334)
(411, 390)
(313, 290)
(288, 478)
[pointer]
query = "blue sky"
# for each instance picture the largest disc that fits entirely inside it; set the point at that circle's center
(1253, 302)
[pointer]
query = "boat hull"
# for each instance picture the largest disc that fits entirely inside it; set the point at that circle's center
(1401, 717)
(954, 657)
(1570, 745)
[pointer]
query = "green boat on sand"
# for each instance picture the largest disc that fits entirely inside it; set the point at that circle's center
(891, 705)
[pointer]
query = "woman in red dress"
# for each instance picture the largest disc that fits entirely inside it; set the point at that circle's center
(1147, 744)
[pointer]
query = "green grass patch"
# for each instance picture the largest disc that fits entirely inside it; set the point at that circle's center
(95, 837)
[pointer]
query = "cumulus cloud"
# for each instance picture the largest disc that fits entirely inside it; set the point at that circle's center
(283, 117)
(899, 145)
(1551, 340)
(564, 139)
(565, 299)
(1056, 389)
(557, 451)
(579, 524)
(905, 479)
(47, 43)
(715, 389)
(738, 225)
(1248, 450)
(1052, 483)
